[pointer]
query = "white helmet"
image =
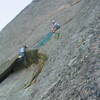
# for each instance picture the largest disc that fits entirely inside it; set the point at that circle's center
(53, 21)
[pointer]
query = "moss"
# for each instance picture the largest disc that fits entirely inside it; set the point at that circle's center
(42, 58)
(31, 57)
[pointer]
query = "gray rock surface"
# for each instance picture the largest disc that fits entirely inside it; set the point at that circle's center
(72, 71)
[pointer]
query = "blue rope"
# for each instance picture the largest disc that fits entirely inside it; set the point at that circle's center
(44, 40)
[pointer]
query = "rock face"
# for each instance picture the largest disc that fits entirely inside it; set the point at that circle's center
(72, 71)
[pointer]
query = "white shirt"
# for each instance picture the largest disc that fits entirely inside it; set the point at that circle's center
(22, 49)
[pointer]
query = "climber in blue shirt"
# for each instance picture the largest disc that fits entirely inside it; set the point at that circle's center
(22, 51)
(22, 54)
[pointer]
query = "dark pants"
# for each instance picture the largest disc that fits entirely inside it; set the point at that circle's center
(23, 57)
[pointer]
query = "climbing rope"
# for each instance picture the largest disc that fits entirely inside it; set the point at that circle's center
(41, 42)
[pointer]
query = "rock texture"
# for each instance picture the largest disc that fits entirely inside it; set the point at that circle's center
(72, 71)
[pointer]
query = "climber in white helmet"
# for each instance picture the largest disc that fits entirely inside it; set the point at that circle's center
(55, 26)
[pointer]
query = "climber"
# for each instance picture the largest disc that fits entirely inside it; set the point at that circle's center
(55, 26)
(22, 54)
